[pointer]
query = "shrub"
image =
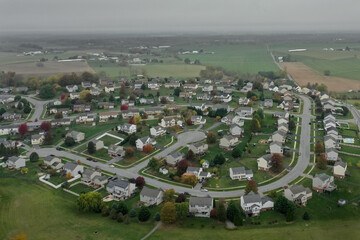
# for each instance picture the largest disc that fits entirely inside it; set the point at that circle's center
(132, 213)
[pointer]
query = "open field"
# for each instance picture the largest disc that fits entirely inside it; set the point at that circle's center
(302, 74)
(50, 67)
(244, 58)
(153, 70)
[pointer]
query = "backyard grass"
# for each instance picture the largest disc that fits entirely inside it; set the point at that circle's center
(81, 188)
(43, 213)
(108, 140)
(348, 149)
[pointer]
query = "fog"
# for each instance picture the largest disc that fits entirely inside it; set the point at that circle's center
(181, 16)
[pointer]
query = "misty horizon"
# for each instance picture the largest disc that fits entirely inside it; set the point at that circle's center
(161, 16)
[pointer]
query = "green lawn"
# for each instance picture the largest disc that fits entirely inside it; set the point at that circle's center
(81, 188)
(108, 140)
(44, 213)
(102, 154)
(348, 149)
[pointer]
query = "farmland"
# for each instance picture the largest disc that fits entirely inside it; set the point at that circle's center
(244, 58)
(303, 74)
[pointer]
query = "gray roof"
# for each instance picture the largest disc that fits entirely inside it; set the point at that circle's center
(238, 170)
(70, 165)
(177, 154)
(49, 158)
(323, 177)
(201, 201)
(88, 171)
(193, 169)
(252, 197)
(340, 163)
(280, 132)
(204, 174)
(13, 159)
(275, 143)
(149, 192)
(295, 189)
(267, 157)
(198, 144)
(118, 183)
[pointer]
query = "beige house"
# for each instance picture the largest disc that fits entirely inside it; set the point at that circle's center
(157, 131)
(37, 139)
(228, 142)
(264, 162)
(297, 194)
(77, 136)
(199, 148)
(98, 144)
(53, 161)
(279, 136)
(339, 169)
(276, 147)
(116, 151)
(105, 116)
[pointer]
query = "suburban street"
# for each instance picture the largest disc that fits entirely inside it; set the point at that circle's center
(193, 136)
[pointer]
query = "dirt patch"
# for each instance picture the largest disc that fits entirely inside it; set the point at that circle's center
(48, 68)
(302, 74)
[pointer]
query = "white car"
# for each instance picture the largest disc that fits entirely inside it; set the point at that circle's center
(112, 166)
(204, 190)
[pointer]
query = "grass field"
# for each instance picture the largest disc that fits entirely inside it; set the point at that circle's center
(244, 58)
(43, 213)
(179, 70)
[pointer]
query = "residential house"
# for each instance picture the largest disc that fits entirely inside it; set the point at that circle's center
(252, 204)
(190, 86)
(73, 168)
(86, 118)
(98, 144)
(204, 175)
(151, 111)
(60, 122)
(323, 183)
(199, 106)
(264, 162)
(331, 154)
(203, 96)
(6, 99)
(37, 139)
(151, 196)
(200, 206)
(268, 103)
(185, 95)
(240, 173)
(236, 131)
(116, 151)
(282, 121)
(194, 170)
(109, 89)
(297, 194)
(167, 98)
(276, 147)
(244, 101)
(157, 131)
(86, 85)
(173, 158)
(120, 189)
(224, 97)
(11, 116)
(330, 142)
(279, 136)
(154, 85)
(197, 120)
(163, 170)
(53, 161)
(141, 142)
(167, 122)
(89, 175)
(130, 113)
(146, 101)
(199, 148)
(74, 95)
(95, 92)
(106, 105)
(228, 142)
(71, 88)
(174, 84)
(205, 164)
(9, 129)
(77, 136)
(281, 115)
(127, 128)
(208, 88)
(245, 111)
(16, 162)
(105, 116)
(339, 169)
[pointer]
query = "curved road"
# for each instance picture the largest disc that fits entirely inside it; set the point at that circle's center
(193, 136)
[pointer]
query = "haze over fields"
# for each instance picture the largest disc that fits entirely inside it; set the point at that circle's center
(213, 16)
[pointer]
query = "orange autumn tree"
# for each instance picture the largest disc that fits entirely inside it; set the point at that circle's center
(148, 148)
(68, 175)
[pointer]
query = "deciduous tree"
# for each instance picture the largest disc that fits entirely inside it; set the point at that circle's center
(182, 166)
(91, 201)
(182, 210)
(140, 182)
(144, 214)
(276, 163)
(211, 138)
(251, 186)
(189, 179)
(91, 147)
(168, 213)
(23, 129)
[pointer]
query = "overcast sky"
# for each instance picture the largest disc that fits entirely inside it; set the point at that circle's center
(123, 16)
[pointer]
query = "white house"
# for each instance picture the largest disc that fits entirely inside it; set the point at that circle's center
(279, 136)
(197, 120)
(53, 161)
(199, 148)
(252, 204)
(71, 88)
(194, 170)
(240, 173)
(127, 128)
(151, 196)
(37, 139)
(245, 111)
(116, 151)
(276, 147)
(120, 189)
(77, 136)
(73, 168)
(200, 206)
(141, 142)
(173, 158)
(236, 131)
(228, 142)
(331, 154)
(157, 131)
(98, 144)
(16, 162)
